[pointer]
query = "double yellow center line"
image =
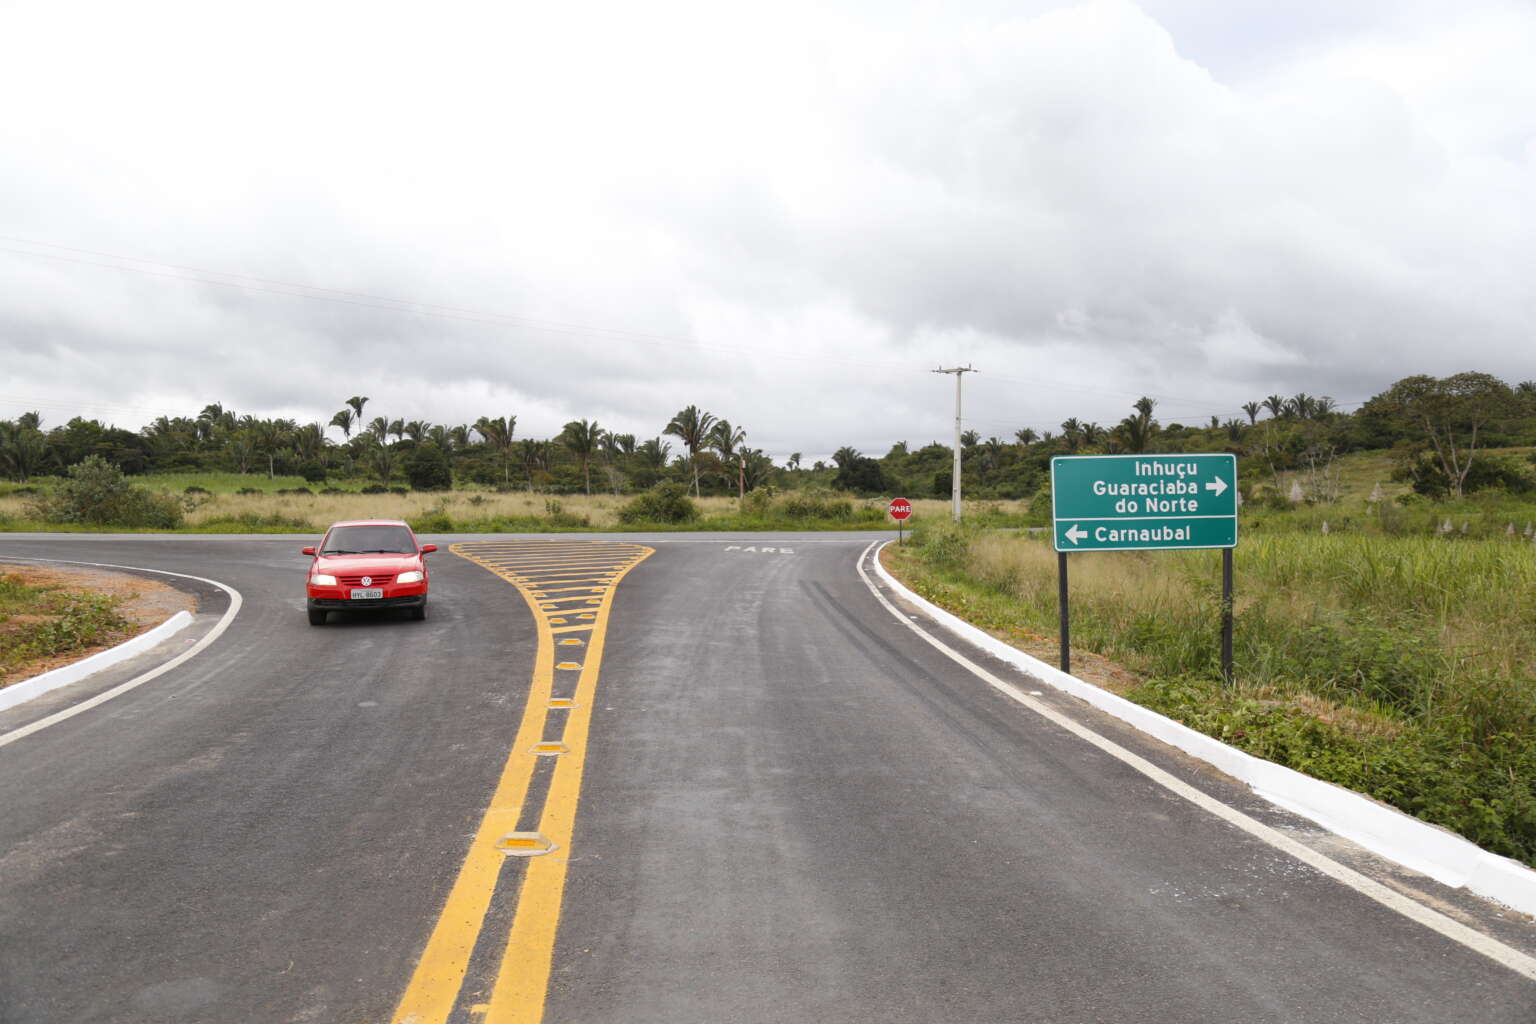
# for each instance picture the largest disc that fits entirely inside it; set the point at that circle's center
(569, 586)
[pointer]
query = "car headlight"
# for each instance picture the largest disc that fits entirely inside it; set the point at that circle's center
(409, 577)
(320, 579)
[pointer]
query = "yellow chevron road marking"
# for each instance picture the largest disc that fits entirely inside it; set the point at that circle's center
(522, 978)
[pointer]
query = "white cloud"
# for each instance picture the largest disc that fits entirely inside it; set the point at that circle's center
(1090, 201)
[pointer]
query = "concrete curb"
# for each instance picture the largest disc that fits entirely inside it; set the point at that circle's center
(27, 689)
(1418, 845)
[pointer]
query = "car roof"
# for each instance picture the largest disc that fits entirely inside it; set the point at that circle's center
(369, 522)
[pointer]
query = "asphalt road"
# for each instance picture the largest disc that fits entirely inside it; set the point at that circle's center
(790, 808)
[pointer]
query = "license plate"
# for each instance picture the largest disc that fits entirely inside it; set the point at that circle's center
(368, 594)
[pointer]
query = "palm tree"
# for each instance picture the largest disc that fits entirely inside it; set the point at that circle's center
(582, 437)
(1072, 431)
(381, 458)
(1276, 406)
(969, 439)
(1025, 436)
(397, 427)
(1252, 409)
(535, 456)
(692, 426)
(378, 427)
(655, 453)
(268, 438)
(23, 449)
(992, 450)
(416, 430)
(1092, 433)
(344, 419)
(794, 461)
(1323, 406)
(727, 441)
(357, 402)
(845, 456)
(213, 421)
(309, 442)
(755, 468)
(1136, 431)
(1302, 405)
(498, 434)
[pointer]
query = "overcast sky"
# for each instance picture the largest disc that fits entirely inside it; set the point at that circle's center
(786, 213)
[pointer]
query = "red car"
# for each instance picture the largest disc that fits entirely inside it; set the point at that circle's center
(367, 565)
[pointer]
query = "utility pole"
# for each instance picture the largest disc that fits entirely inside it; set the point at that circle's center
(954, 483)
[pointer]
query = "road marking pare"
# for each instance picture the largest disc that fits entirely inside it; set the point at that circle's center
(752, 549)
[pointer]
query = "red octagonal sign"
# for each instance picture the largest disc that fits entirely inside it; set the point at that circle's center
(900, 508)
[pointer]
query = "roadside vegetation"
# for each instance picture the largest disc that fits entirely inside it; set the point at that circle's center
(1403, 667)
(40, 621)
(1423, 439)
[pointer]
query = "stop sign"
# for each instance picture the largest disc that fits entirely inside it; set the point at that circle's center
(900, 508)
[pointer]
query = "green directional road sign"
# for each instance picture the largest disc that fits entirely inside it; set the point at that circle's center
(1144, 502)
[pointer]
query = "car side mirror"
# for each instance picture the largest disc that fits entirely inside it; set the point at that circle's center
(307, 551)
(427, 549)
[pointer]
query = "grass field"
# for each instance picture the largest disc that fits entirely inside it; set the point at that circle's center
(225, 510)
(1402, 667)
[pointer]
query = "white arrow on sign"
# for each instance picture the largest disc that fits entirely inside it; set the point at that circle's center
(1220, 487)
(1074, 534)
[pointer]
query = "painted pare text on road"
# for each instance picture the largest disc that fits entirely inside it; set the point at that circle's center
(1144, 502)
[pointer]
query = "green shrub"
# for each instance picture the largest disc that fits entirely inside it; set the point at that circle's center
(757, 503)
(814, 505)
(427, 469)
(664, 503)
(97, 494)
(84, 619)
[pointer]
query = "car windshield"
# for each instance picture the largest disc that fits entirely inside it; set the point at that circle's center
(369, 540)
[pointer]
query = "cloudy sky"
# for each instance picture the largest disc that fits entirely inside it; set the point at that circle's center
(786, 213)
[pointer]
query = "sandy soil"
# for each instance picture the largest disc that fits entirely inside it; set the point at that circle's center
(145, 604)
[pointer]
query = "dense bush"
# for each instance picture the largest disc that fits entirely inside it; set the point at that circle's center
(96, 493)
(427, 469)
(1489, 470)
(814, 505)
(664, 503)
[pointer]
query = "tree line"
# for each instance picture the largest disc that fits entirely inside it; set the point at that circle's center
(714, 456)
(1437, 429)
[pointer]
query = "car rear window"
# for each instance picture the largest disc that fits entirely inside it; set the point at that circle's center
(359, 540)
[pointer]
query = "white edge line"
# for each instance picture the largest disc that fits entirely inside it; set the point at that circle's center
(1429, 849)
(1454, 930)
(46, 682)
(235, 601)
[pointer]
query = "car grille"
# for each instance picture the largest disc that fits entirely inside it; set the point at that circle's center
(357, 581)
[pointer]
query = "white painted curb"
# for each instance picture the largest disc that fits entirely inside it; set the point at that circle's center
(1428, 849)
(27, 689)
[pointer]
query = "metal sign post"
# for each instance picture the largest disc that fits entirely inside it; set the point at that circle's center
(1145, 503)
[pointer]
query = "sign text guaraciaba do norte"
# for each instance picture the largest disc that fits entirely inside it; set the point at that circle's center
(1144, 502)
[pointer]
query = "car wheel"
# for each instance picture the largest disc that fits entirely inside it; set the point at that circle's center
(317, 616)
(419, 612)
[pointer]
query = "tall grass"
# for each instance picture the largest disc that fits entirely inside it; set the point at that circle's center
(1404, 666)
(222, 510)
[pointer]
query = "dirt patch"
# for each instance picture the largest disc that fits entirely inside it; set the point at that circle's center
(144, 603)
